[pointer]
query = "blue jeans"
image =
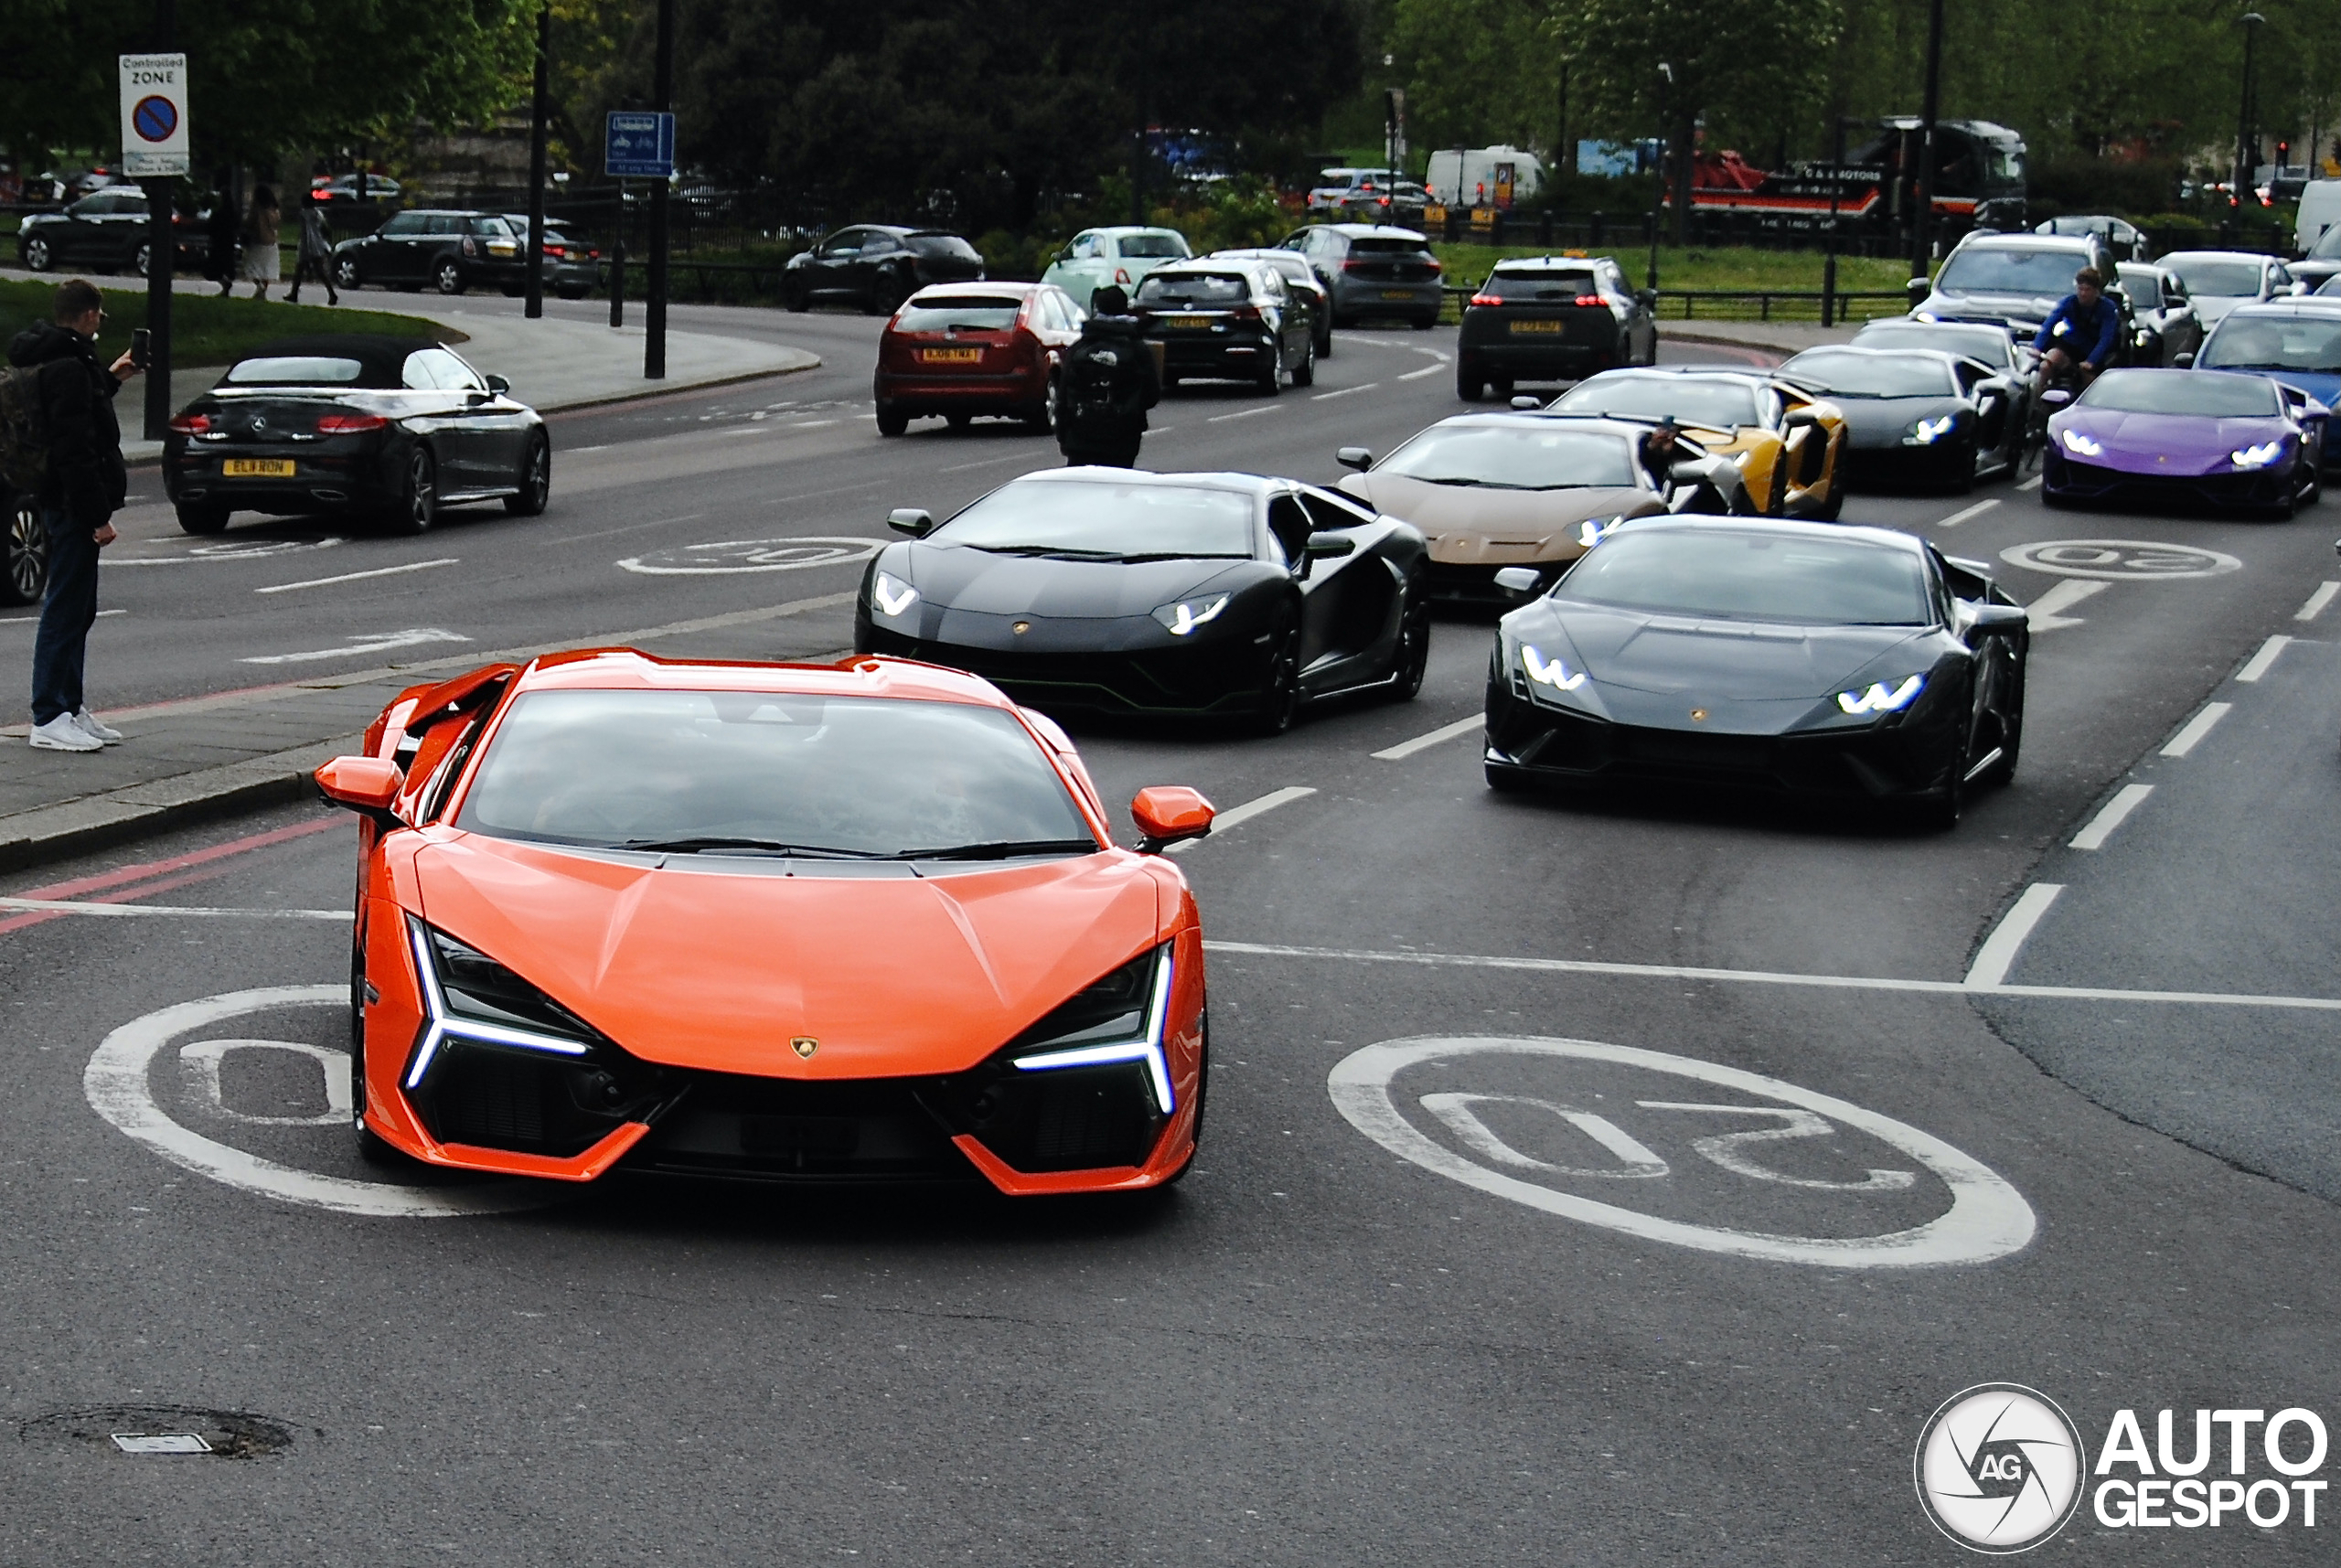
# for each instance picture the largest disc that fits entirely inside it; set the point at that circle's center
(67, 612)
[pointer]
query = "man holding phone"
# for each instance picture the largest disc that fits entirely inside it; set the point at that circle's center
(83, 483)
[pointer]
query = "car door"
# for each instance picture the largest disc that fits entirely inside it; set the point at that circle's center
(442, 411)
(1321, 588)
(494, 429)
(832, 261)
(879, 250)
(75, 241)
(1363, 596)
(2182, 323)
(388, 256)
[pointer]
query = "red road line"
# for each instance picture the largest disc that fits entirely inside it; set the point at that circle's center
(153, 872)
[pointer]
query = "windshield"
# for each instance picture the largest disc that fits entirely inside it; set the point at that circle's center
(2266, 343)
(1684, 396)
(949, 245)
(2328, 244)
(1106, 520)
(1150, 245)
(2220, 280)
(1873, 375)
(987, 314)
(1752, 577)
(857, 777)
(1514, 457)
(1986, 270)
(1193, 288)
(297, 370)
(2182, 392)
(1988, 343)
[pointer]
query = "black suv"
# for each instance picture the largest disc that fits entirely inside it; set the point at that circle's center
(2014, 281)
(449, 251)
(1552, 318)
(877, 266)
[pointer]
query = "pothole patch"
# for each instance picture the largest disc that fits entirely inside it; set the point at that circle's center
(149, 1431)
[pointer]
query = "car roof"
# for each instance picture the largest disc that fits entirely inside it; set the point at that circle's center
(1213, 479)
(1550, 263)
(1369, 231)
(630, 669)
(1704, 372)
(1783, 528)
(2214, 254)
(1118, 229)
(1981, 240)
(2277, 309)
(977, 288)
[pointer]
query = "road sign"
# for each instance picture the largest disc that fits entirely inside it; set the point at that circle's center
(153, 116)
(639, 146)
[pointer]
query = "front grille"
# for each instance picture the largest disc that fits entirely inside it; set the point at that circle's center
(493, 1097)
(1222, 676)
(1065, 1118)
(790, 1129)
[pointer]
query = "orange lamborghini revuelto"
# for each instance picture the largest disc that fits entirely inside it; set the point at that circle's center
(852, 921)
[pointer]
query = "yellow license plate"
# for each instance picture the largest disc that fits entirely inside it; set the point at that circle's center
(1398, 294)
(256, 468)
(950, 356)
(1552, 326)
(1188, 322)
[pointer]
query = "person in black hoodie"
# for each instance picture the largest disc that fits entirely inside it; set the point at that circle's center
(1107, 384)
(84, 485)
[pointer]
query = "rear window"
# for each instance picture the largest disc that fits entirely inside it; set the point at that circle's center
(296, 370)
(1984, 269)
(986, 315)
(1194, 288)
(1152, 245)
(949, 245)
(1562, 287)
(2239, 279)
(495, 228)
(1382, 246)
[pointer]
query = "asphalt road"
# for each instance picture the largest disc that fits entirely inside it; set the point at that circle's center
(1526, 1291)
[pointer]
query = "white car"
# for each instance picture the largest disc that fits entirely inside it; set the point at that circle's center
(1120, 257)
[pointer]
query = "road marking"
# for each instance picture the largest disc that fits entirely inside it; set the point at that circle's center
(1242, 414)
(1345, 391)
(206, 1057)
(1236, 815)
(148, 877)
(234, 549)
(1998, 953)
(2317, 602)
(1418, 375)
(2117, 810)
(723, 557)
(1977, 510)
(370, 642)
(2119, 561)
(2031, 483)
(2264, 660)
(2045, 611)
(986, 463)
(35, 620)
(355, 576)
(1406, 749)
(1987, 1218)
(178, 911)
(2196, 727)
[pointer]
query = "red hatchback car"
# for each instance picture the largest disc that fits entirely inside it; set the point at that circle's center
(963, 349)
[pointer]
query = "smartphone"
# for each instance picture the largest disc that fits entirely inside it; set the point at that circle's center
(138, 346)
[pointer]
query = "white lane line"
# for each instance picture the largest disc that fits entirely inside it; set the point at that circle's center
(66, 906)
(2317, 602)
(373, 643)
(1418, 375)
(1345, 391)
(355, 576)
(2117, 810)
(1977, 510)
(1770, 977)
(2047, 611)
(2187, 738)
(35, 620)
(1242, 414)
(1406, 749)
(2031, 483)
(1236, 816)
(2264, 659)
(987, 463)
(1997, 955)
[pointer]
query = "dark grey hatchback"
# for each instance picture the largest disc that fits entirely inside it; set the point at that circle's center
(1552, 318)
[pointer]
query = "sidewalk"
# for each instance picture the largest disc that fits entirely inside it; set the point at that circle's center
(1781, 337)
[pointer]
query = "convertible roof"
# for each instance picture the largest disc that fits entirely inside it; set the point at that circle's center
(384, 358)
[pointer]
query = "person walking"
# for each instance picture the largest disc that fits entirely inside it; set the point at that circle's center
(83, 483)
(1107, 383)
(263, 265)
(315, 260)
(220, 229)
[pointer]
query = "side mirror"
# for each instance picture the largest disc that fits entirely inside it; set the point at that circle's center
(1918, 289)
(1169, 814)
(1517, 580)
(2055, 397)
(1525, 404)
(2183, 361)
(1330, 545)
(1358, 457)
(1988, 617)
(1646, 298)
(2297, 288)
(499, 386)
(915, 521)
(365, 785)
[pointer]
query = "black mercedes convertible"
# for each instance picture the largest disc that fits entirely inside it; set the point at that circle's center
(1106, 591)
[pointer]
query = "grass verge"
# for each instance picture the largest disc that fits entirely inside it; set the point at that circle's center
(206, 329)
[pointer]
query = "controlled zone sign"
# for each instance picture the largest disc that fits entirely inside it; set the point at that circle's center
(153, 116)
(639, 146)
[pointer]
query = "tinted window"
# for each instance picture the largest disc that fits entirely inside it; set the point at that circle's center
(1524, 456)
(1753, 577)
(404, 223)
(949, 245)
(2182, 392)
(496, 228)
(2221, 280)
(1383, 245)
(1563, 287)
(296, 370)
(1193, 288)
(855, 775)
(1152, 245)
(1107, 519)
(1684, 396)
(988, 313)
(1873, 375)
(2266, 343)
(1982, 269)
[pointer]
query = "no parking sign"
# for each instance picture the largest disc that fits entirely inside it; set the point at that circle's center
(153, 116)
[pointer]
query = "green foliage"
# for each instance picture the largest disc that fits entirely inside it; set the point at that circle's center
(206, 329)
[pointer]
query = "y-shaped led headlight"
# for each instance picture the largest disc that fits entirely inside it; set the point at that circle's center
(891, 595)
(2259, 456)
(443, 1020)
(1555, 674)
(1881, 698)
(1926, 433)
(1145, 1046)
(2080, 445)
(1183, 618)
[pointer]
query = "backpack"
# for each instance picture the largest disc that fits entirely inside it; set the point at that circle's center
(24, 429)
(1089, 382)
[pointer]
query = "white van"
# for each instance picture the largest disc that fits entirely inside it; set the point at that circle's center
(1490, 176)
(2320, 210)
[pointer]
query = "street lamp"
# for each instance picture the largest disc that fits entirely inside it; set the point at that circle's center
(2246, 134)
(1665, 80)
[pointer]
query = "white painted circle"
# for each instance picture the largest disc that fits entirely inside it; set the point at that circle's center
(116, 1085)
(2119, 561)
(1987, 1218)
(229, 549)
(727, 555)
(1999, 1468)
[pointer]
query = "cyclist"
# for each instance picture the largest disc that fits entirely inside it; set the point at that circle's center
(2079, 335)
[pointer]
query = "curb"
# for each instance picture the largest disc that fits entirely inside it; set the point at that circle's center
(139, 811)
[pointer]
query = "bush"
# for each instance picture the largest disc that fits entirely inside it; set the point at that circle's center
(2076, 183)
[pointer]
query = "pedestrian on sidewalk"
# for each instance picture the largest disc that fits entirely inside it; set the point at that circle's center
(315, 260)
(263, 265)
(221, 229)
(1106, 385)
(83, 484)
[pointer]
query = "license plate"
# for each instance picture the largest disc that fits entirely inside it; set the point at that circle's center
(950, 356)
(1398, 294)
(1188, 322)
(256, 468)
(1546, 326)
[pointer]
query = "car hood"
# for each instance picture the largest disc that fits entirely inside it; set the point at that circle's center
(717, 966)
(977, 581)
(2209, 309)
(1880, 421)
(1470, 527)
(1756, 677)
(2173, 444)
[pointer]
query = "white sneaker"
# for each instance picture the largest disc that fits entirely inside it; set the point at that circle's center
(62, 734)
(87, 723)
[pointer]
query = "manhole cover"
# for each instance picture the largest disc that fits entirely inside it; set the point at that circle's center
(144, 1430)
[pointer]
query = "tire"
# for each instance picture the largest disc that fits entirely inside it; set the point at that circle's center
(372, 1147)
(1502, 387)
(1470, 384)
(795, 297)
(1962, 477)
(1413, 643)
(418, 506)
(958, 421)
(345, 273)
(1305, 373)
(1043, 420)
(27, 574)
(1272, 383)
(197, 518)
(892, 422)
(38, 255)
(142, 259)
(570, 293)
(447, 277)
(887, 294)
(1425, 324)
(1280, 681)
(535, 481)
(1325, 341)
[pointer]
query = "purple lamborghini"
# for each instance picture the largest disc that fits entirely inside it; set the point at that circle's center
(2222, 440)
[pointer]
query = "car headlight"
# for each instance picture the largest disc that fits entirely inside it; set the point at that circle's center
(1590, 533)
(889, 595)
(2259, 456)
(2082, 445)
(1119, 1018)
(1555, 673)
(1881, 698)
(1183, 618)
(1926, 433)
(466, 995)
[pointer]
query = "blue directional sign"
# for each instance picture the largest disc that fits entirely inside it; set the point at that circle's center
(640, 146)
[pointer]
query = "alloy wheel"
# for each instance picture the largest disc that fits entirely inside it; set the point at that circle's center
(422, 501)
(36, 256)
(27, 548)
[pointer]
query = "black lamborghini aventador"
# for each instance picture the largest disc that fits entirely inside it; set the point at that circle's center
(1106, 591)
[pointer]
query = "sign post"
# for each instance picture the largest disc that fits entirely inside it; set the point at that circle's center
(154, 152)
(640, 145)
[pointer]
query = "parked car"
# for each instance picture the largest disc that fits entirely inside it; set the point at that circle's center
(2124, 238)
(1372, 272)
(24, 551)
(2219, 281)
(106, 231)
(1121, 258)
(1231, 320)
(573, 268)
(2163, 321)
(448, 250)
(877, 266)
(344, 188)
(1552, 318)
(1301, 279)
(1328, 199)
(963, 349)
(2013, 280)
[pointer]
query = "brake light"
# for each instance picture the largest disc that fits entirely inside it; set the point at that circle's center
(350, 425)
(1591, 299)
(191, 424)
(593, 255)
(555, 251)
(1245, 312)
(1353, 266)
(1437, 265)
(1487, 299)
